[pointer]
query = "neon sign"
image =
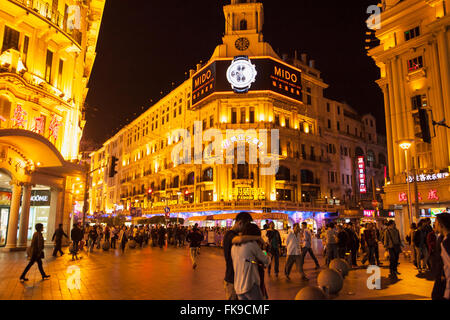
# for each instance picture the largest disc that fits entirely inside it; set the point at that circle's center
(362, 175)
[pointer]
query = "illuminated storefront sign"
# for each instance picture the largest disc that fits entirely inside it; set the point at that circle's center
(230, 142)
(244, 193)
(40, 198)
(362, 175)
(369, 213)
(269, 74)
(432, 195)
(428, 177)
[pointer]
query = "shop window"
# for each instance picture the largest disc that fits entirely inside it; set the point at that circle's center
(283, 195)
(415, 64)
(207, 196)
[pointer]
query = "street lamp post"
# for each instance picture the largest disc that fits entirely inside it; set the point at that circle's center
(405, 145)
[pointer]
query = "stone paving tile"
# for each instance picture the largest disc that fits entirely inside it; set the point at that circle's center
(167, 274)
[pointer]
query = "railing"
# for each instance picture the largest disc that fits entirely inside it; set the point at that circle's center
(45, 10)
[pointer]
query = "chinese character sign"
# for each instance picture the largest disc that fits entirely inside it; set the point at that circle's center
(54, 127)
(402, 197)
(19, 117)
(362, 175)
(432, 195)
(39, 125)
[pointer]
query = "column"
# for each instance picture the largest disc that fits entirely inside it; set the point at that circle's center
(394, 118)
(24, 216)
(390, 151)
(444, 71)
(11, 239)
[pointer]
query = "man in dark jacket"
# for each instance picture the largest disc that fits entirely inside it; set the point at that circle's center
(161, 236)
(441, 266)
(352, 242)
(76, 235)
(195, 238)
(57, 237)
(242, 219)
(342, 242)
(274, 247)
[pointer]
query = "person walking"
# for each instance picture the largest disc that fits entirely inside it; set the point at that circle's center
(420, 246)
(370, 240)
(123, 238)
(274, 247)
(161, 236)
(393, 244)
(242, 219)
(306, 245)
(294, 252)
(441, 259)
(352, 243)
(114, 237)
(342, 242)
(77, 236)
(92, 236)
(57, 237)
(331, 241)
(195, 239)
(247, 257)
(36, 253)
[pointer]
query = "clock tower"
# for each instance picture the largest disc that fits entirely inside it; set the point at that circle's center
(244, 21)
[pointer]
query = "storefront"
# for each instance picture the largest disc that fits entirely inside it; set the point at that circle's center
(5, 203)
(39, 211)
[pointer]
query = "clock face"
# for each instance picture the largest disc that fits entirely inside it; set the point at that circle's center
(241, 74)
(242, 44)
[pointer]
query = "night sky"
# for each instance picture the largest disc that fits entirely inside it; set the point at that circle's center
(147, 47)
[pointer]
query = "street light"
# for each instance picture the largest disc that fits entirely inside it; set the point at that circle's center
(405, 145)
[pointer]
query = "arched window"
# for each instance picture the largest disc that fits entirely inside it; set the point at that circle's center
(283, 173)
(208, 174)
(307, 176)
(243, 24)
(242, 171)
(190, 178)
(163, 184)
(359, 152)
(5, 107)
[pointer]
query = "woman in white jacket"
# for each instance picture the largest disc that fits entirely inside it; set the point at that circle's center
(247, 256)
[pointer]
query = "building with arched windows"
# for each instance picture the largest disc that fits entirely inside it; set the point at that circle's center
(231, 107)
(47, 53)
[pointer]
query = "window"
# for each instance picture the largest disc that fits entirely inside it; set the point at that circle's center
(233, 115)
(338, 110)
(415, 64)
(10, 39)
(211, 121)
(204, 124)
(348, 129)
(371, 123)
(287, 122)
(338, 126)
(252, 115)
(308, 96)
(329, 124)
(277, 120)
(175, 113)
(243, 24)
(5, 107)
(328, 107)
(242, 115)
(412, 33)
(26, 42)
(419, 101)
(48, 66)
(60, 73)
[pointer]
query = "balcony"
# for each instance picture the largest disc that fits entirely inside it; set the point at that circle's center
(43, 10)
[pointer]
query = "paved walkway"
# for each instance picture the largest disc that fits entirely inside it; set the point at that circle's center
(167, 274)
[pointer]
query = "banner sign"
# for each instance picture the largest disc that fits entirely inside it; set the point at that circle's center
(271, 74)
(40, 198)
(362, 175)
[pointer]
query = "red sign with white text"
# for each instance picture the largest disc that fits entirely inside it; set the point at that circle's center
(362, 175)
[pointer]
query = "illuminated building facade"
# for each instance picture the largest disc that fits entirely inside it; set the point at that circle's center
(47, 50)
(245, 86)
(414, 57)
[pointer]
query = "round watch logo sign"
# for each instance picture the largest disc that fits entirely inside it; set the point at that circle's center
(241, 74)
